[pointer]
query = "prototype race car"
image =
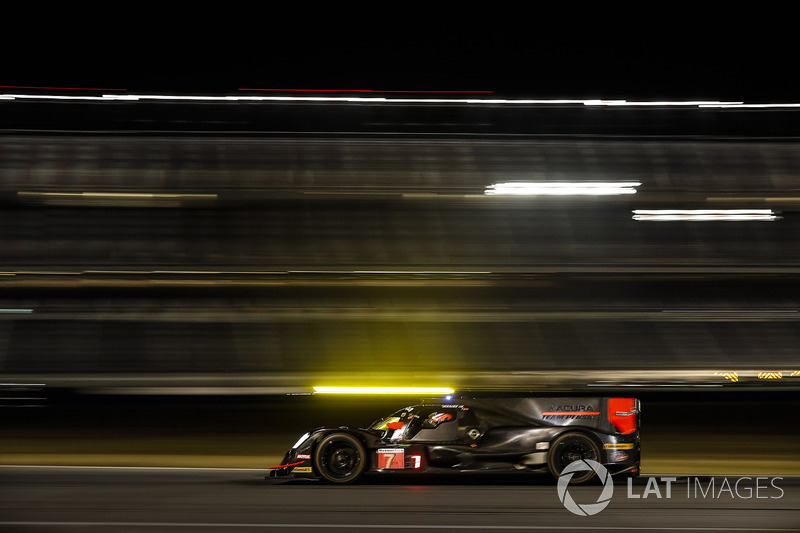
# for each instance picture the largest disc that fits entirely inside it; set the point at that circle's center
(499, 434)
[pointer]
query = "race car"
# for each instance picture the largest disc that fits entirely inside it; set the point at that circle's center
(475, 434)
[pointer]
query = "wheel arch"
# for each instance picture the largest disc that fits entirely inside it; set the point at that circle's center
(591, 434)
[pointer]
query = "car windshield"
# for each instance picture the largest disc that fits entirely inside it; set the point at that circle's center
(381, 424)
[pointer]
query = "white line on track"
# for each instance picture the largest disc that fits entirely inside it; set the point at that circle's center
(375, 526)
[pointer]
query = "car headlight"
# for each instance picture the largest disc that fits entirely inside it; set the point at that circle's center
(301, 440)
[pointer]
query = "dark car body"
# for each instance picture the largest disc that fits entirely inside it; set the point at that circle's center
(498, 434)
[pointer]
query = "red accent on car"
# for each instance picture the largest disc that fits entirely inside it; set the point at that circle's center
(286, 466)
(623, 414)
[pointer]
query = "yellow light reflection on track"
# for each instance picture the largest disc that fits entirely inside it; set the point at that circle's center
(383, 390)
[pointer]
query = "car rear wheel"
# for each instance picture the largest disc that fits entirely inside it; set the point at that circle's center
(567, 449)
(340, 458)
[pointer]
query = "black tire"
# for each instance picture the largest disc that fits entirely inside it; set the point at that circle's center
(340, 458)
(571, 447)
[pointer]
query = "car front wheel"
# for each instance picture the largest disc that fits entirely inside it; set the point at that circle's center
(340, 458)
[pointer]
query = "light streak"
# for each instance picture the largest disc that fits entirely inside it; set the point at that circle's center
(562, 188)
(704, 215)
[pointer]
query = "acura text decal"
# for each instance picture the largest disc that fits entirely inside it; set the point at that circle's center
(561, 412)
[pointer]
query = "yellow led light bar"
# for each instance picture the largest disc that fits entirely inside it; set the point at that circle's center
(383, 390)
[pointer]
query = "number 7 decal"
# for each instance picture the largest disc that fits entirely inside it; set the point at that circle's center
(391, 458)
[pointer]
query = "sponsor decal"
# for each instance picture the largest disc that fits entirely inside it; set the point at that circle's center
(301, 470)
(618, 457)
(391, 458)
(570, 412)
(303, 456)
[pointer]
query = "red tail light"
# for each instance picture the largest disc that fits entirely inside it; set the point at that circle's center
(623, 413)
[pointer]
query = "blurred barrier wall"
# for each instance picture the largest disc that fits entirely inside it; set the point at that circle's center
(273, 253)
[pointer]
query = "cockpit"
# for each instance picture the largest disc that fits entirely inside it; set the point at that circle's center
(419, 423)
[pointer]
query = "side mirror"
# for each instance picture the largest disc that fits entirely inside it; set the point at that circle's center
(395, 425)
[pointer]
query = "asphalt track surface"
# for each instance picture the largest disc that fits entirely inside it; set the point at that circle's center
(42, 499)
(748, 437)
